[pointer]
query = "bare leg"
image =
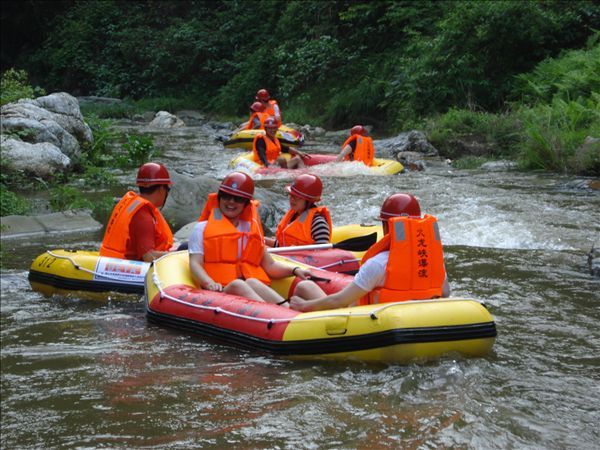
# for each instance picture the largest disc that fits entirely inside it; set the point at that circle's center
(282, 162)
(243, 289)
(309, 290)
(295, 163)
(264, 291)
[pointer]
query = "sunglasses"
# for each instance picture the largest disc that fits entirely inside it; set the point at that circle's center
(235, 198)
(168, 188)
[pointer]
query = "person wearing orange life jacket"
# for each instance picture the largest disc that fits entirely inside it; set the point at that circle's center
(270, 104)
(266, 149)
(305, 223)
(226, 247)
(136, 229)
(256, 120)
(358, 147)
(406, 264)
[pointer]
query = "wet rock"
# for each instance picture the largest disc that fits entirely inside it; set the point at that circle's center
(191, 118)
(164, 119)
(188, 195)
(41, 160)
(411, 141)
(14, 227)
(52, 122)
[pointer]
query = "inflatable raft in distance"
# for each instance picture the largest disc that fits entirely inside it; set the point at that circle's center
(246, 163)
(244, 138)
(388, 332)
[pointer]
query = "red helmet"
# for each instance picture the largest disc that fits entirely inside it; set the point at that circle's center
(150, 174)
(238, 184)
(271, 122)
(257, 107)
(263, 95)
(307, 186)
(358, 129)
(397, 205)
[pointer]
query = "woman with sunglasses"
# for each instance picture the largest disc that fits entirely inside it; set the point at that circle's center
(227, 249)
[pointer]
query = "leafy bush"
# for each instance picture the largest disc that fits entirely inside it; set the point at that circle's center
(14, 85)
(500, 131)
(139, 148)
(572, 76)
(68, 197)
(11, 203)
(555, 132)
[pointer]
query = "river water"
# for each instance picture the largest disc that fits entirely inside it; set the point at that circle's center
(78, 373)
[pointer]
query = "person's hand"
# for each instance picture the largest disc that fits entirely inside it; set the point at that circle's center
(298, 304)
(213, 286)
(301, 273)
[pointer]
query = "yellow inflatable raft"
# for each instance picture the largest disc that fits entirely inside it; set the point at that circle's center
(246, 163)
(390, 332)
(67, 271)
(244, 138)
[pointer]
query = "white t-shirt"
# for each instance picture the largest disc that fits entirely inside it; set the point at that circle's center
(196, 241)
(371, 274)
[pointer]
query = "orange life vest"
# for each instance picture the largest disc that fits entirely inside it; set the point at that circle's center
(270, 111)
(298, 232)
(415, 268)
(261, 116)
(117, 236)
(273, 148)
(363, 151)
(221, 239)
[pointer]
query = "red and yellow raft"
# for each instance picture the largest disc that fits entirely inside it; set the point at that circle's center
(390, 332)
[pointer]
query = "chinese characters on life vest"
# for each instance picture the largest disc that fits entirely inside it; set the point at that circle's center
(422, 254)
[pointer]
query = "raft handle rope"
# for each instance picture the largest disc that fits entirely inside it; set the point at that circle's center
(78, 267)
(270, 322)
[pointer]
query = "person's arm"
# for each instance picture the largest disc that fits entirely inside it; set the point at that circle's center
(201, 278)
(261, 149)
(277, 270)
(270, 242)
(446, 291)
(142, 235)
(348, 296)
(347, 150)
(319, 230)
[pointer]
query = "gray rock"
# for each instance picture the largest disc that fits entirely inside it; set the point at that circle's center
(410, 141)
(164, 119)
(53, 119)
(188, 196)
(43, 160)
(54, 223)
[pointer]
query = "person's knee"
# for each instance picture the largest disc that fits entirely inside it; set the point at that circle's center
(236, 287)
(254, 283)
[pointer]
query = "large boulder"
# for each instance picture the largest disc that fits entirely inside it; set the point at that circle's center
(188, 195)
(164, 119)
(53, 120)
(43, 160)
(410, 141)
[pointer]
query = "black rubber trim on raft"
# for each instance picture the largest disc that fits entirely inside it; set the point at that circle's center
(334, 345)
(71, 284)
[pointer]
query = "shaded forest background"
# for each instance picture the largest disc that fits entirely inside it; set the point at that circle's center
(454, 68)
